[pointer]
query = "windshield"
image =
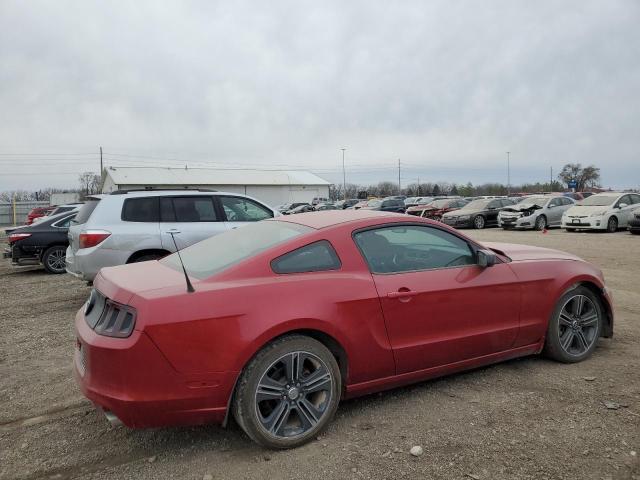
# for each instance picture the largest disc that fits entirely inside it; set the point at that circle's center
(222, 251)
(439, 203)
(540, 201)
(374, 203)
(477, 204)
(598, 200)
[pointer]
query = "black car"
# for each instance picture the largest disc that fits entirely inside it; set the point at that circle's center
(303, 208)
(634, 222)
(477, 214)
(344, 204)
(44, 243)
(290, 206)
(389, 204)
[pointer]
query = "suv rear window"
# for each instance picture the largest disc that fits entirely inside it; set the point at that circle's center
(316, 257)
(144, 209)
(86, 210)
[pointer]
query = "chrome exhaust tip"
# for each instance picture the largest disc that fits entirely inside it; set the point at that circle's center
(112, 419)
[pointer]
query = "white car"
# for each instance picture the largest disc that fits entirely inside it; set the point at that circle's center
(538, 212)
(605, 211)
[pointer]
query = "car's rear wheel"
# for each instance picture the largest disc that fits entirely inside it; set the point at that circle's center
(612, 225)
(53, 259)
(541, 222)
(288, 393)
(479, 222)
(575, 326)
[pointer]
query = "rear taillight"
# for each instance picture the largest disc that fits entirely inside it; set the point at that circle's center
(91, 238)
(14, 237)
(116, 320)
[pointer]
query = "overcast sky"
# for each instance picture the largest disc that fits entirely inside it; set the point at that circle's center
(448, 87)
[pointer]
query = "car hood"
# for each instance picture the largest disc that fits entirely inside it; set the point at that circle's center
(521, 208)
(586, 210)
(121, 283)
(520, 253)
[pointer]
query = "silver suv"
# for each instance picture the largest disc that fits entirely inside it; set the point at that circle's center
(134, 226)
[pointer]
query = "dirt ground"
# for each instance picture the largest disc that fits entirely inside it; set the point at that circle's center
(524, 419)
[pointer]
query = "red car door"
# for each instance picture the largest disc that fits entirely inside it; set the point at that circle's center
(439, 306)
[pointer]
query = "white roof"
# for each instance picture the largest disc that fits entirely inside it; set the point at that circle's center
(210, 176)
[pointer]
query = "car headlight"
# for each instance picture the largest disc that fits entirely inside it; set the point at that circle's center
(597, 214)
(464, 217)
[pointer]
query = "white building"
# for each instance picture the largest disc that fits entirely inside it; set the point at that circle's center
(273, 187)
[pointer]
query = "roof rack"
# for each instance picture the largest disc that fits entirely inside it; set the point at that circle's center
(151, 189)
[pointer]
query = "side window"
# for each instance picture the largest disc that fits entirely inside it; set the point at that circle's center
(238, 209)
(567, 201)
(141, 210)
(635, 199)
(316, 257)
(624, 199)
(191, 209)
(494, 204)
(407, 248)
(64, 223)
(556, 202)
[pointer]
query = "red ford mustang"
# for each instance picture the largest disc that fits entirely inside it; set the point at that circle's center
(290, 315)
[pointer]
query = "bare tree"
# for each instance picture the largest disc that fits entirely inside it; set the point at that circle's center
(587, 177)
(89, 183)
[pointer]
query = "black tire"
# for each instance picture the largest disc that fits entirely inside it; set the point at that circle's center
(570, 230)
(53, 259)
(612, 225)
(634, 232)
(146, 258)
(565, 334)
(479, 222)
(287, 429)
(541, 222)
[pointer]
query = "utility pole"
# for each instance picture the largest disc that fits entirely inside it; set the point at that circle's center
(100, 163)
(508, 173)
(418, 194)
(344, 176)
(399, 185)
(551, 180)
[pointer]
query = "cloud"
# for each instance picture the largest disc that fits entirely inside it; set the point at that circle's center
(446, 86)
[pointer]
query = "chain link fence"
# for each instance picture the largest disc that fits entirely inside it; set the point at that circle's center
(16, 213)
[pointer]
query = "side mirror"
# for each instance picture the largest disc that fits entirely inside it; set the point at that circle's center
(622, 205)
(486, 258)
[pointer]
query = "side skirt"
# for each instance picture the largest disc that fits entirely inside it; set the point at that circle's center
(365, 388)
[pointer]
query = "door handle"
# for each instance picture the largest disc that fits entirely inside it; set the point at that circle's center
(402, 294)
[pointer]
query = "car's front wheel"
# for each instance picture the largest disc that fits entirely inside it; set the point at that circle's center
(53, 259)
(288, 393)
(541, 222)
(479, 222)
(575, 326)
(612, 225)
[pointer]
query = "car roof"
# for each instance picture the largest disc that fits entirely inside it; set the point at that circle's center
(177, 191)
(328, 218)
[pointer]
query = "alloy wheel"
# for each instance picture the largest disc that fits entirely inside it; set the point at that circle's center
(578, 325)
(55, 260)
(612, 225)
(293, 394)
(541, 222)
(478, 222)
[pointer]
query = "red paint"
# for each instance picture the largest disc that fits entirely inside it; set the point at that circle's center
(180, 364)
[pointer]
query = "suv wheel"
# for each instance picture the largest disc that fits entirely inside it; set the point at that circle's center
(53, 259)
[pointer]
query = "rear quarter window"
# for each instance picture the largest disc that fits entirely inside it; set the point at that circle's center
(315, 257)
(144, 209)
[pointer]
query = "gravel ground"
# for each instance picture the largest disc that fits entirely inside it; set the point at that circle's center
(524, 419)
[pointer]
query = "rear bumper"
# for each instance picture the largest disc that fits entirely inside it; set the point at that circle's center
(87, 262)
(634, 225)
(131, 378)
